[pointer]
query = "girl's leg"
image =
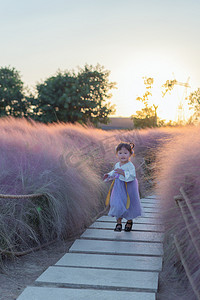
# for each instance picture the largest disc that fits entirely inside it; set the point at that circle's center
(119, 221)
(118, 226)
(128, 225)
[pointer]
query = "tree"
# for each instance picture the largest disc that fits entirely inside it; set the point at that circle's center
(168, 86)
(194, 103)
(147, 116)
(144, 118)
(70, 97)
(12, 99)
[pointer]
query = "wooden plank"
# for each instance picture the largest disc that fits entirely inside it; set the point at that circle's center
(116, 247)
(139, 220)
(136, 227)
(50, 293)
(132, 236)
(119, 262)
(84, 277)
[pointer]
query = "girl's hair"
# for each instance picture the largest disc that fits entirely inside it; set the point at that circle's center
(128, 146)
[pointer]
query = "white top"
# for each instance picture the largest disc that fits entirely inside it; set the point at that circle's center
(129, 171)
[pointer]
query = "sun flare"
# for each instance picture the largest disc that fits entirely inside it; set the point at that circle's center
(173, 106)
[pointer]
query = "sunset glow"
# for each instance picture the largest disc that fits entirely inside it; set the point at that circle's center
(132, 39)
(131, 86)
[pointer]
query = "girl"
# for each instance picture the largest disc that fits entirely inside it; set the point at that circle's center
(124, 199)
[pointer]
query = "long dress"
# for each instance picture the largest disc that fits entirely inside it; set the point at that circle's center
(118, 198)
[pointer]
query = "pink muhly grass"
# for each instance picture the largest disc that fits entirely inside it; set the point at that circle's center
(66, 163)
(35, 159)
(178, 166)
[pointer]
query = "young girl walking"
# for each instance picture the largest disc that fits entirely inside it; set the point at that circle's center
(123, 195)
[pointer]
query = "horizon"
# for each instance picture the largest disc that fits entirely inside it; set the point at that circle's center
(131, 39)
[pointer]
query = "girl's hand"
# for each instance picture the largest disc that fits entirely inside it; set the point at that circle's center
(120, 171)
(105, 176)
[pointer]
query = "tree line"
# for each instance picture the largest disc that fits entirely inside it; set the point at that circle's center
(77, 97)
(65, 97)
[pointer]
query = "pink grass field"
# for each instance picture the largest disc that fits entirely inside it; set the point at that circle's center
(66, 163)
(178, 165)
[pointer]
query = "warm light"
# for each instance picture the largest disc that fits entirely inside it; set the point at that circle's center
(131, 85)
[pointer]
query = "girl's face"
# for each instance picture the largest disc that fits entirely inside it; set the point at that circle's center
(123, 155)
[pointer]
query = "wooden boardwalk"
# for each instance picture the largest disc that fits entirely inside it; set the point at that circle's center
(104, 264)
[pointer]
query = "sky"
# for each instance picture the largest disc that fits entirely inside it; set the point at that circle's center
(131, 38)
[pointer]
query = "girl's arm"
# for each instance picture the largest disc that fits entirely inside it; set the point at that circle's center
(129, 173)
(110, 174)
(120, 171)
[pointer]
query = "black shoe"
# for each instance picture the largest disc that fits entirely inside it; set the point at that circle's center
(118, 227)
(128, 225)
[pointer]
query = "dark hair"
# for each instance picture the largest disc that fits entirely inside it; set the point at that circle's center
(128, 146)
